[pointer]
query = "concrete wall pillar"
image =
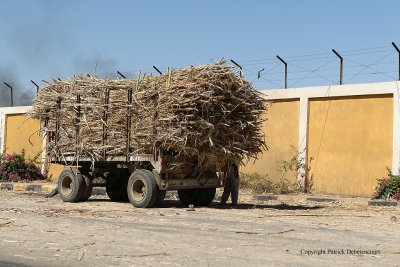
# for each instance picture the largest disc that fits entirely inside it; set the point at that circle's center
(2, 129)
(302, 145)
(396, 129)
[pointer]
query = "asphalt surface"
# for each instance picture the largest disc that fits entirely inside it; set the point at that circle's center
(35, 231)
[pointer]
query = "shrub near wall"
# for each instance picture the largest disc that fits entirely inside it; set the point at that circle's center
(260, 184)
(15, 168)
(388, 187)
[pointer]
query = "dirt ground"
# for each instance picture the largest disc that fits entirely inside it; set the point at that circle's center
(35, 231)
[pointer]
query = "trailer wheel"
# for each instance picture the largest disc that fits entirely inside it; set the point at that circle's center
(71, 185)
(116, 186)
(87, 192)
(187, 196)
(142, 189)
(160, 197)
(191, 196)
(197, 196)
(209, 195)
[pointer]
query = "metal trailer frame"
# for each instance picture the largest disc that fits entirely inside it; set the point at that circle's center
(189, 180)
(152, 167)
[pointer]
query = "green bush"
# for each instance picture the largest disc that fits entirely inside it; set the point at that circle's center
(388, 187)
(15, 168)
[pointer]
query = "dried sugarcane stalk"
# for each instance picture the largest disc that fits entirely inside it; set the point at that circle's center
(207, 111)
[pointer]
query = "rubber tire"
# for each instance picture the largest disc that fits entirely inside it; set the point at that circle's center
(191, 196)
(197, 196)
(87, 192)
(116, 186)
(77, 185)
(160, 197)
(209, 196)
(151, 189)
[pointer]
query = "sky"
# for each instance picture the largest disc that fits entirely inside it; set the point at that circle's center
(41, 39)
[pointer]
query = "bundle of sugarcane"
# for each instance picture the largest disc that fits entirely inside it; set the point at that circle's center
(207, 111)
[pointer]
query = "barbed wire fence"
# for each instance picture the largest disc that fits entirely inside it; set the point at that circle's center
(375, 64)
(360, 66)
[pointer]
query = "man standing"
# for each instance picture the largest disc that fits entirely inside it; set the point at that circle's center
(231, 186)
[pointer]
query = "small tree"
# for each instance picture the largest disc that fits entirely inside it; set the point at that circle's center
(296, 165)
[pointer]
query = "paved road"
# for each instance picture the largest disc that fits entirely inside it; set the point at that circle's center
(35, 231)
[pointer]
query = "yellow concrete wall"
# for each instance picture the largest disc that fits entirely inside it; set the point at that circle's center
(19, 130)
(350, 150)
(282, 131)
(352, 145)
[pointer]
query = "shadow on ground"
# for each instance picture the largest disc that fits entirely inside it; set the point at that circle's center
(241, 206)
(267, 206)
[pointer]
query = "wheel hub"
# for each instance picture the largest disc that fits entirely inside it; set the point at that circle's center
(139, 190)
(67, 185)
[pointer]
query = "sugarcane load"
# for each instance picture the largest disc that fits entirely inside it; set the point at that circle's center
(187, 123)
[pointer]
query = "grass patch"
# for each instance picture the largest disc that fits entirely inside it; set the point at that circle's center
(261, 184)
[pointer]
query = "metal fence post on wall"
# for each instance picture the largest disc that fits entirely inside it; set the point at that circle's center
(398, 51)
(120, 74)
(286, 70)
(12, 100)
(237, 65)
(154, 67)
(37, 86)
(341, 65)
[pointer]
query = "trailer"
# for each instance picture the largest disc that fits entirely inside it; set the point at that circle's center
(143, 179)
(145, 136)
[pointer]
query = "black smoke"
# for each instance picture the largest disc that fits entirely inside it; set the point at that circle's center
(43, 47)
(21, 96)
